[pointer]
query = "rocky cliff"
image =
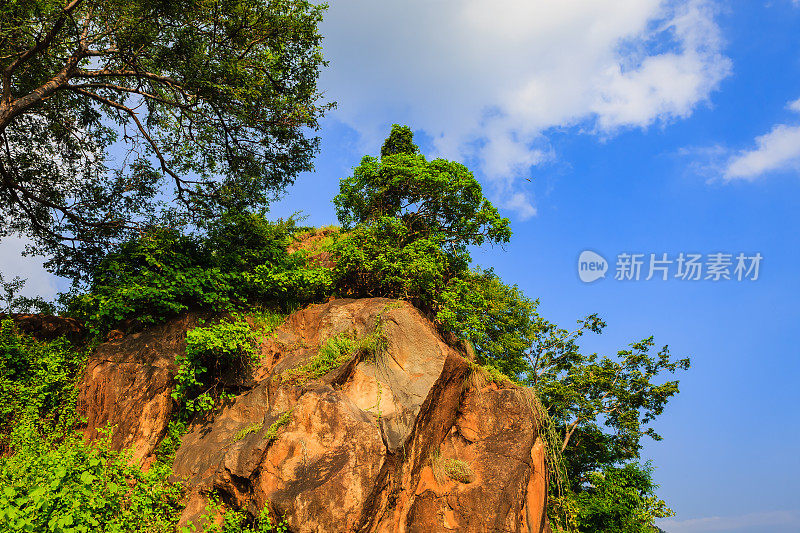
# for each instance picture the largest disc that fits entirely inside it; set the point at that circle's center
(412, 438)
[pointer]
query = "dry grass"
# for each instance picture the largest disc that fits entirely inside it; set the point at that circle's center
(459, 470)
(481, 375)
(455, 469)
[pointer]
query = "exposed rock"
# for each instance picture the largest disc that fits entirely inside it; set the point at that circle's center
(358, 449)
(128, 383)
(47, 327)
(313, 243)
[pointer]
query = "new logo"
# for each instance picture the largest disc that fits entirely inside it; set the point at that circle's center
(591, 266)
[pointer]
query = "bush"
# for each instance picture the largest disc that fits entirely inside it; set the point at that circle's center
(234, 521)
(37, 385)
(381, 259)
(51, 480)
(616, 500)
(237, 261)
(213, 351)
(77, 488)
(497, 319)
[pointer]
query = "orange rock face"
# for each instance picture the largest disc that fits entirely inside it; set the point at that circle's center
(401, 440)
(47, 327)
(128, 384)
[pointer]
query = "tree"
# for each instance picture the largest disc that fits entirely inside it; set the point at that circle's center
(586, 393)
(409, 223)
(598, 408)
(497, 319)
(107, 105)
(437, 198)
(619, 500)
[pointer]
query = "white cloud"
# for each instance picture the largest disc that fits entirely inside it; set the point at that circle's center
(487, 79)
(777, 150)
(762, 521)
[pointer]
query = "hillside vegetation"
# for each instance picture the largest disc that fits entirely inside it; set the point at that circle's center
(407, 225)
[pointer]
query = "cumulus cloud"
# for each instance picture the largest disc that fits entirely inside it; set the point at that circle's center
(777, 150)
(488, 79)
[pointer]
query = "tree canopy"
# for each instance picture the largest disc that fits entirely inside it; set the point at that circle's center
(437, 198)
(116, 112)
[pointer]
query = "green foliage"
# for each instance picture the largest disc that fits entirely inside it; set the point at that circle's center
(616, 500)
(494, 317)
(113, 108)
(400, 141)
(76, 488)
(37, 386)
(371, 263)
(53, 481)
(21, 304)
(241, 260)
(410, 222)
(165, 452)
(234, 521)
(433, 198)
(210, 352)
(586, 393)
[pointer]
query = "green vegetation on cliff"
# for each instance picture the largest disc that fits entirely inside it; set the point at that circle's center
(407, 225)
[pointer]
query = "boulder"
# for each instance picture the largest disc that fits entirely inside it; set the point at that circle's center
(47, 327)
(127, 386)
(401, 438)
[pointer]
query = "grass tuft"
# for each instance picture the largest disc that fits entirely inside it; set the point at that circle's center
(459, 470)
(272, 432)
(252, 428)
(455, 469)
(337, 350)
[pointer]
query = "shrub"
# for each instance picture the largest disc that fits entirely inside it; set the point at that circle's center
(381, 259)
(77, 488)
(235, 521)
(497, 319)
(333, 353)
(37, 385)
(237, 261)
(620, 499)
(213, 351)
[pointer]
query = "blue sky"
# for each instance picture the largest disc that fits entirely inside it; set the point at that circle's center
(644, 126)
